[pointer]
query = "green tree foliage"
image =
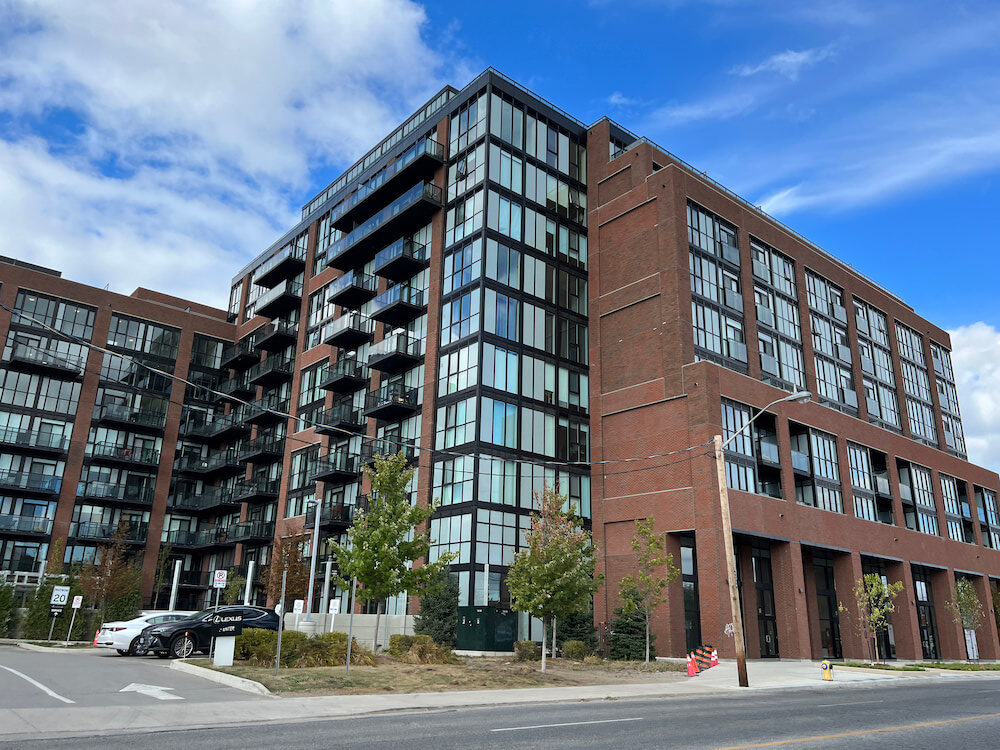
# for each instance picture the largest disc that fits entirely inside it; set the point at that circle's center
(111, 582)
(628, 639)
(233, 593)
(164, 572)
(36, 620)
(384, 541)
(553, 576)
(965, 607)
(655, 571)
(874, 601)
(288, 556)
(438, 616)
(578, 626)
(8, 609)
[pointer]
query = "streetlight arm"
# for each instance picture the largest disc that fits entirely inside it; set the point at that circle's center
(799, 396)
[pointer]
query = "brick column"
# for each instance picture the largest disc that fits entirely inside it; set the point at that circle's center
(905, 629)
(986, 634)
(847, 571)
(951, 635)
(794, 638)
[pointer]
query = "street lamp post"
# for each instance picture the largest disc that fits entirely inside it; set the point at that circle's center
(312, 559)
(727, 531)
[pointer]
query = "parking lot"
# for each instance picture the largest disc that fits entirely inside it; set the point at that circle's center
(99, 677)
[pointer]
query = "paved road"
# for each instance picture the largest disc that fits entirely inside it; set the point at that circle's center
(95, 677)
(931, 714)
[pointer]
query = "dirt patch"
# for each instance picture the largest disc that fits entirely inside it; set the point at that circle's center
(391, 676)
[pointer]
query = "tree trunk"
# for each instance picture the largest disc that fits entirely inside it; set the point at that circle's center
(545, 633)
(378, 616)
(555, 622)
(878, 655)
(647, 635)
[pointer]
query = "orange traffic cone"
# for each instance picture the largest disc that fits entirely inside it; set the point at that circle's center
(97, 634)
(692, 669)
(715, 657)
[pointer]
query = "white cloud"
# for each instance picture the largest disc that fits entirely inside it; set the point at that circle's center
(788, 63)
(618, 99)
(202, 124)
(976, 360)
(722, 107)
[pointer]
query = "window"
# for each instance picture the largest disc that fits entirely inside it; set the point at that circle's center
(464, 218)
(497, 481)
(462, 266)
(503, 264)
(65, 316)
(460, 317)
(538, 379)
(572, 440)
(500, 315)
(861, 468)
(458, 370)
(504, 216)
(500, 368)
(468, 124)
(711, 234)
(498, 423)
(456, 424)
(824, 456)
(538, 432)
(921, 421)
(142, 336)
(496, 537)
(507, 121)
(573, 341)
(911, 344)
(506, 169)
(453, 480)
(466, 171)
(451, 534)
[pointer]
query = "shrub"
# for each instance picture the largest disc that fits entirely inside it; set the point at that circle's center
(338, 645)
(256, 646)
(438, 616)
(425, 651)
(399, 644)
(527, 651)
(314, 652)
(576, 650)
(292, 645)
(591, 660)
(628, 634)
(578, 626)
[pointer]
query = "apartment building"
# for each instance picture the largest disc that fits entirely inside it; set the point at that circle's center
(514, 299)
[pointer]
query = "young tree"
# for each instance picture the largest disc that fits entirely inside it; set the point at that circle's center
(288, 556)
(627, 640)
(966, 609)
(164, 571)
(553, 575)
(112, 580)
(383, 543)
(438, 616)
(874, 602)
(579, 626)
(235, 587)
(647, 587)
(8, 609)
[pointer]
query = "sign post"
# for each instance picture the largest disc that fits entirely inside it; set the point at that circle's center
(60, 596)
(77, 603)
(298, 607)
(219, 579)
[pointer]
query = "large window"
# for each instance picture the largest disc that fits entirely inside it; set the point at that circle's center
(456, 424)
(460, 317)
(65, 316)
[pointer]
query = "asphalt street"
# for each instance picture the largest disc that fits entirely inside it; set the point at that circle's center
(96, 677)
(914, 714)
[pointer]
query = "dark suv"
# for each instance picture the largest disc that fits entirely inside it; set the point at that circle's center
(182, 638)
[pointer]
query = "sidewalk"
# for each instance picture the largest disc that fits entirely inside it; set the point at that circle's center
(48, 723)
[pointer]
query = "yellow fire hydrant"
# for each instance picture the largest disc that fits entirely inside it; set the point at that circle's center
(827, 667)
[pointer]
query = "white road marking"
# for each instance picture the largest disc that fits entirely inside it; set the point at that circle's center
(567, 724)
(37, 684)
(852, 703)
(153, 691)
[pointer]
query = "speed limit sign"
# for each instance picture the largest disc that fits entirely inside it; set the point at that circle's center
(60, 595)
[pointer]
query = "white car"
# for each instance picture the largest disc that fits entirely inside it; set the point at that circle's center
(123, 636)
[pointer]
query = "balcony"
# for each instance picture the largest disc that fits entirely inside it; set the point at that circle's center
(269, 410)
(395, 353)
(730, 253)
(398, 305)
(340, 417)
(393, 401)
(337, 468)
(272, 371)
(224, 428)
(767, 451)
(209, 500)
(282, 265)
(25, 525)
(27, 481)
(262, 449)
(352, 289)
(404, 215)
(237, 388)
(134, 419)
(418, 161)
(115, 492)
(251, 531)
(348, 331)
(47, 361)
(276, 336)
(287, 295)
(344, 375)
(401, 260)
(331, 517)
(32, 441)
(123, 455)
(388, 447)
(256, 491)
(203, 539)
(239, 356)
(219, 463)
(135, 533)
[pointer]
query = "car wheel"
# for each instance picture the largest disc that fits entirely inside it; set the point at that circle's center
(182, 647)
(136, 647)
(122, 652)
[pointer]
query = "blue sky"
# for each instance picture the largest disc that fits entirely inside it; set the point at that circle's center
(164, 145)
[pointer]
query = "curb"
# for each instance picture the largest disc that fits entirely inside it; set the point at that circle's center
(50, 649)
(240, 683)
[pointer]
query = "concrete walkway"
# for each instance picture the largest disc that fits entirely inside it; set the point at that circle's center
(69, 721)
